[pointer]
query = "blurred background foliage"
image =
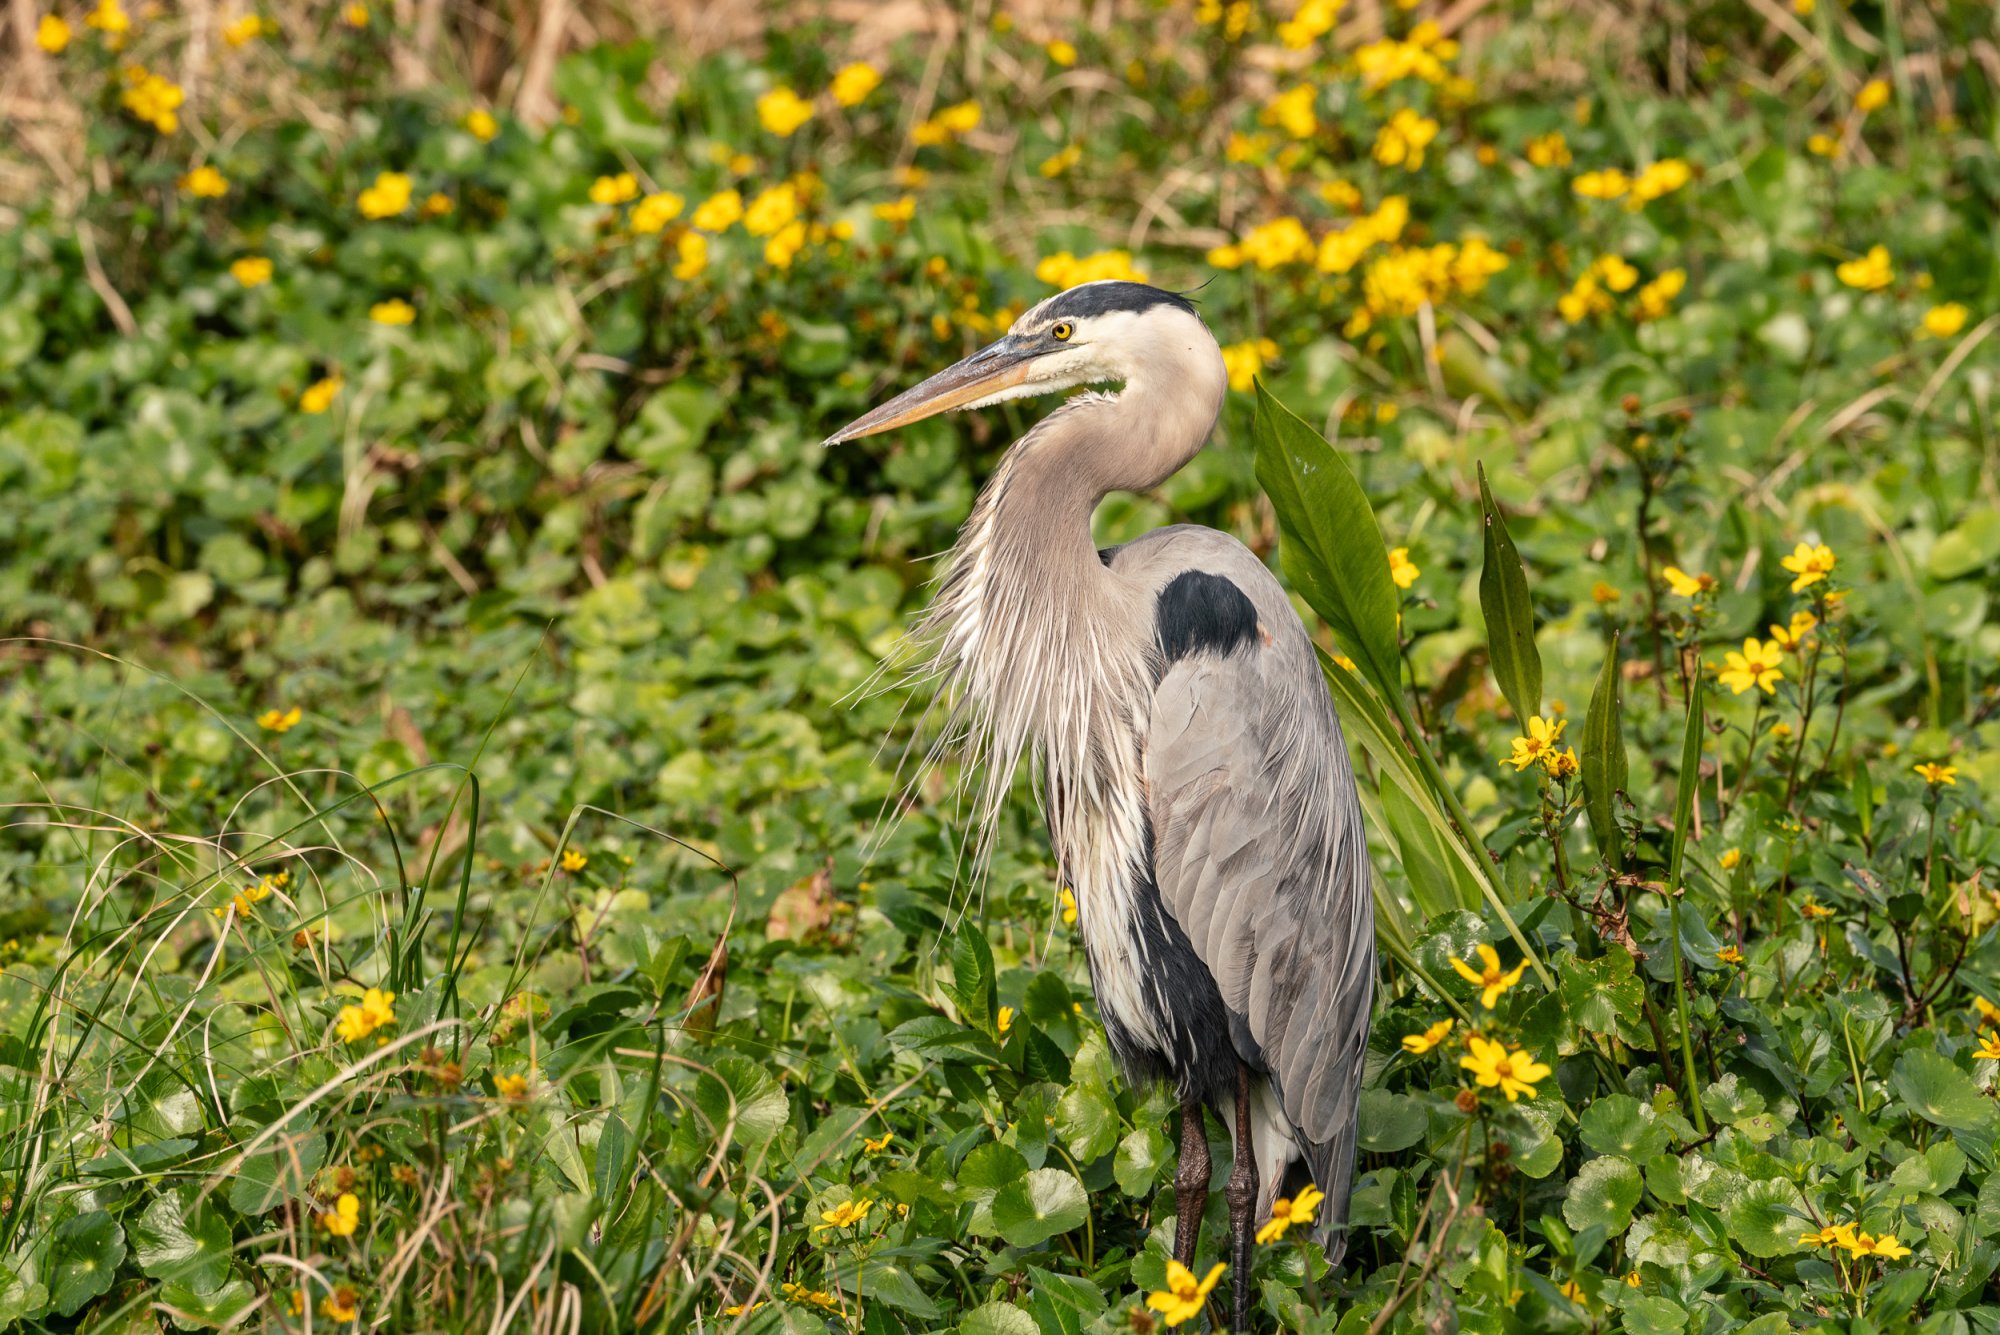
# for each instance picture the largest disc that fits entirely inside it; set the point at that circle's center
(388, 391)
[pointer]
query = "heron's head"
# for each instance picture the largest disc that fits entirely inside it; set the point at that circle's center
(1108, 332)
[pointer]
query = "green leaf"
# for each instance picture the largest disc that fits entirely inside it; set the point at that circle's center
(1390, 1122)
(1037, 1207)
(1437, 882)
(887, 1281)
(1621, 1124)
(196, 1308)
(1687, 784)
(615, 1154)
(1651, 1315)
(277, 1173)
(1141, 1156)
(741, 1095)
(1939, 1092)
(1604, 762)
(84, 1259)
(1765, 1217)
(171, 1243)
(1605, 997)
(1509, 612)
(1332, 549)
(972, 985)
(1603, 1194)
(980, 1178)
(1087, 1120)
(997, 1318)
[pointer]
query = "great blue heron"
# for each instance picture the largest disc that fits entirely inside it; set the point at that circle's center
(1197, 790)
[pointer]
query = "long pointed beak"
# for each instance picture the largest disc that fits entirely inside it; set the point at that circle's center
(995, 367)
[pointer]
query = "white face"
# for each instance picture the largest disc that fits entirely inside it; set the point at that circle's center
(1112, 348)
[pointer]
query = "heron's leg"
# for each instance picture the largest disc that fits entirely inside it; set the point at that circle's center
(1241, 1193)
(1190, 1183)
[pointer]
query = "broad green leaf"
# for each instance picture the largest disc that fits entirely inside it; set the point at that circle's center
(1605, 996)
(197, 1308)
(1087, 1120)
(615, 1153)
(1036, 1208)
(997, 1318)
(171, 1242)
(1427, 856)
(886, 1281)
(1141, 1156)
(1332, 548)
(1604, 762)
(277, 1173)
(1648, 1314)
(84, 1259)
(760, 1108)
(1939, 1092)
(1621, 1124)
(1509, 611)
(1390, 1122)
(1765, 1218)
(1603, 1194)
(980, 1178)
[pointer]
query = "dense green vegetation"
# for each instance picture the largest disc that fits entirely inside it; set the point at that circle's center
(458, 873)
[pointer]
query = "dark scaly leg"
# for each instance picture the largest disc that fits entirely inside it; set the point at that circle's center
(1190, 1183)
(1241, 1193)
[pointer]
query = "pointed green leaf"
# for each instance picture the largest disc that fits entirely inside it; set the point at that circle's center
(1509, 613)
(615, 1153)
(1604, 765)
(972, 989)
(1686, 786)
(1332, 549)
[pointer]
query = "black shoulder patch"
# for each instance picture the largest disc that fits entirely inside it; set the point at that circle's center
(1117, 295)
(1203, 611)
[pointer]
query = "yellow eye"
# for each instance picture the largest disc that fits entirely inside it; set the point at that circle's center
(1062, 331)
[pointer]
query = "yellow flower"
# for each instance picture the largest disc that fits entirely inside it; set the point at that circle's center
(1402, 569)
(1988, 1012)
(1067, 898)
(1822, 145)
(355, 16)
(1871, 273)
(1989, 1046)
(1936, 775)
(614, 189)
(1873, 96)
(1184, 1296)
(1489, 977)
(1278, 242)
(52, 34)
(1603, 594)
(109, 18)
(655, 211)
(1006, 1019)
(205, 183)
(575, 859)
(251, 271)
(799, 1293)
(1792, 635)
(1538, 741)
(876, 1144)
(1811, 564)
(1944, 321)
(1757, 665)
(343, 1218)
(1312, 20)
(1061, 52)
(693, 256)
(1656, 298)
(1292, 111)
(511, 1087)
(1491, 1064)
(1685, 585)
(1548, 150)
(781, 249)
(279, 720)
(1662, 178)
(1730, 858)
(437, 204)
(1402, 141)
(394, 311)
(1065, 270)
(853, 83)
(343, 1304)
(1285, 1212)
(1419, 1044)
(389, 196)
(897, 210)
(1867, 1244)
(1562, 764)
(718, 212)
(1833, 1235)
(152, 99)
(782, 111)
(1242, 362)
(1573, 1291)
(846, 1214)
(479, 123)
(318, 397)
(946, 126)
(1061, 161)
(772, 210)
(377, 1010)
(1729, 955)
(738, 1309)
(1812, 908)
(246, 29)
(1607, 184)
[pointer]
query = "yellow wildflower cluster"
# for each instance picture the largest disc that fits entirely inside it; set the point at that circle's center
(1591, 293)
(279, 720)
(1404, 280)
(1402, 570)
(853, 83)
(1871, 273)
(238, 32)
(691, 256)
(1656, 298)
(388, 197)
(1662, 178)
(513, 1088)
(205, 182)
(609, 190)
(1293, 111)
(246, 900)
(1688, 586)
(376, 1011)
(1065, 270)
(52, 34)
(1061, 161)
(319, 396)
(1422, 55)
(152, 98)
(655, 211)
(1856, 1243)
(344, 1217)
(1244, 360)
(1492, 1064)
(394, 311)
(1268, 245)
(251, 271)
(799, 1293)
(845, 1215)
(950, 124)
(897, 211)
(110, 19)
(1809, 564)
(1548, 150)
(1944, 320)
(343, 1304)
(719, 212)
(1287, 1211)
(1402, 141)
(1312, 20)
(1185, 1296)
(782, 111)
(1537, 745)
(1234, 19)
(1341, 249)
